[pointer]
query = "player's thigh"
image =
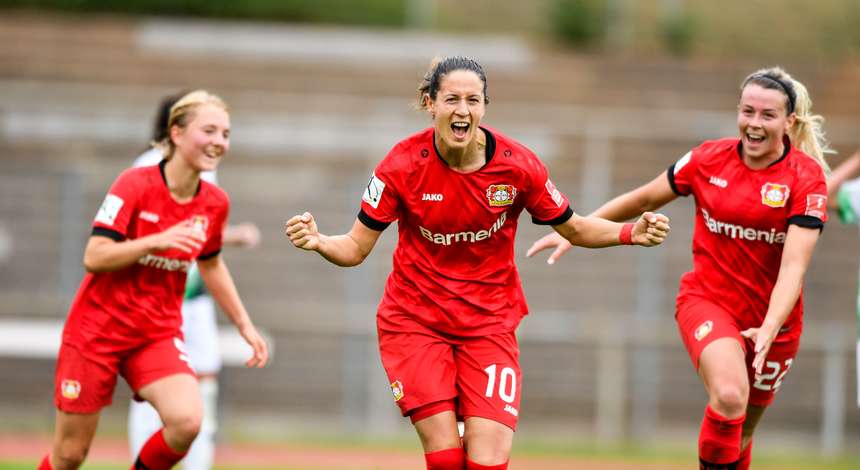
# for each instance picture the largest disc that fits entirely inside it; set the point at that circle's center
(489, 379)
(420, 368)
(488, 442)
(176, 398)
(73, 434)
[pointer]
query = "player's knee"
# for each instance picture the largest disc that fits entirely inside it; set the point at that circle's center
(185, 426)
(729, 400)
(70, 455)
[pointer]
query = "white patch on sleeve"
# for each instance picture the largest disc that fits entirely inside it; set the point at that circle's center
(373, 192)
(554, 193)
(109, 209)
(682, 162)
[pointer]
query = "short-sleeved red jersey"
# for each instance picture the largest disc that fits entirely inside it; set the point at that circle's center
(122, 309)
(454, 262)
(742, 216)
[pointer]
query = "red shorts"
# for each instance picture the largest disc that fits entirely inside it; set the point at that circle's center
(85, 384)
(701, 321)
(481, 374)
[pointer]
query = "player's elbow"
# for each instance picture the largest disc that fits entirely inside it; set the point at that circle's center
(92, 264)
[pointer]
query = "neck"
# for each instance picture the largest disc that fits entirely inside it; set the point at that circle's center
(464, 159)
(182, 180)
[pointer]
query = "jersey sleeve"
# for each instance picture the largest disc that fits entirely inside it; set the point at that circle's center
(380, 202)
(118, 208)
(546, 204)
(848, 202)
(215, 234)
(808, 202)
(681, 174)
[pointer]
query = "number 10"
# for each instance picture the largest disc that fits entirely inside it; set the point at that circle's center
(507, 380)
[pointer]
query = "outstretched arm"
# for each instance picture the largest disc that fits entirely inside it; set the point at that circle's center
(594, 232)
(217, 278)
(349, 249)
(799, 244)
(648, 197)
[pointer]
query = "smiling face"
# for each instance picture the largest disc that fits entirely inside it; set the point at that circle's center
(205, 139)
(458, 109)
(763, 122)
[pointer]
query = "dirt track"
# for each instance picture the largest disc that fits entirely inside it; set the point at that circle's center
(307, 457)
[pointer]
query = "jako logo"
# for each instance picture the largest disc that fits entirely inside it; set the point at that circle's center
(471, 237)
(744, 233)
(431, 197)
(717, 181)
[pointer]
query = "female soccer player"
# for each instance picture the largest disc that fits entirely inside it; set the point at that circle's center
(125, 319)
(760, 205)
(199, 326)
(453, 300)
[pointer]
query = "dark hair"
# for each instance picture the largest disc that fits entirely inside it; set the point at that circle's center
(771, 80)
(162, 116)
(440, 67)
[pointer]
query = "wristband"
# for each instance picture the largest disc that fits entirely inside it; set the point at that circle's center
(625, 236)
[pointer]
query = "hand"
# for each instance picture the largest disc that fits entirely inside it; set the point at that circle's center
(650, 230)
(182, 236)
(763, 337)
(302, 231)
(258, 344)
(245, 234)
(549, 241)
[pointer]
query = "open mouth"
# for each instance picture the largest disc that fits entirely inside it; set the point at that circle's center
(755, 139)
(460, 129)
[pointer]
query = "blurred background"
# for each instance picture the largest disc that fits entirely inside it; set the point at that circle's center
(608, 93)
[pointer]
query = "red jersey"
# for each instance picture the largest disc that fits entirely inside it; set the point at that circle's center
(140, 303)
(742, 216)
(454, 266)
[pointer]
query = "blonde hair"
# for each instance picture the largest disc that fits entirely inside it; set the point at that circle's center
(182, 113)
(807, 132)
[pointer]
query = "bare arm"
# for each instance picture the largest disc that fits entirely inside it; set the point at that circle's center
(648, 197)
(104, 254)
(799, 244)
(349, 249)
(846, 170)
(594, 232)
(220, 284)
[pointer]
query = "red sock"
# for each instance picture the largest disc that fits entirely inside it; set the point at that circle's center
(157, 455)
(446, 459)
(719, 440)
(476, 466)
(746, 457)
(46, 463)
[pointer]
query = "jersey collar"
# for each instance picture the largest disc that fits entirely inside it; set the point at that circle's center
(161, 165)
(489, 150)
(786, 150)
